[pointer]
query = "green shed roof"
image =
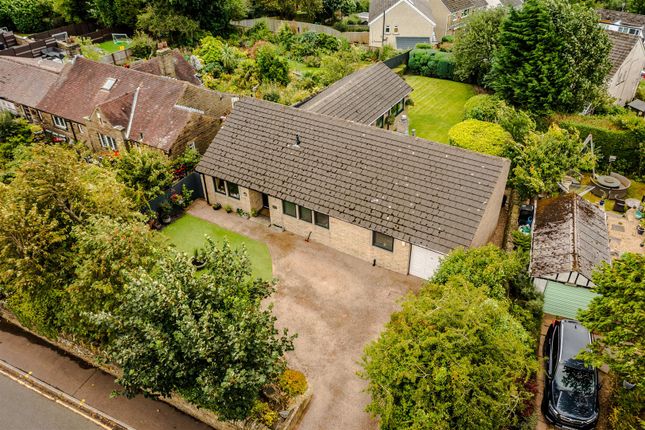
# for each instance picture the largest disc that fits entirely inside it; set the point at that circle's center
(565, 300)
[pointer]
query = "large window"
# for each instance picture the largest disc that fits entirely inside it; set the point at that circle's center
(289, 208)
(382, 241)
(322, 220)
(233, 190)
(304, 213)
(220, 186)
(59, 122)
(107, 142)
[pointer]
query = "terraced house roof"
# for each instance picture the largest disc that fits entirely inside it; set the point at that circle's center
(421, 192)
(27, 80)
(361, 97)
(627, 18)
(569, 235)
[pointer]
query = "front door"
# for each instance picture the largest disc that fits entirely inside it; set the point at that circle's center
(265, 201)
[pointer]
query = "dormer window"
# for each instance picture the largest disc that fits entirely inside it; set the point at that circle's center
(109, 83)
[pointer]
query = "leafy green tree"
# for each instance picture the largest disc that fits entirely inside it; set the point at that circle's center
(218, 56)
(617, 314)
(28, 16)
(502, 275)
(452, 358)
(71, 10)
(553, 56)
(15, 133)
(206, 337)
(143, 46)
(165, 24)
(338, 65)
(146, 173)
(542, 160)
(489, 108)
(112, 13)
(272, 67)
(480, 136)
(476, 44)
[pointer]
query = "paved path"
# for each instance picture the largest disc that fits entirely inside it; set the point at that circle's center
(336, 303)
(87, 383)
(22, 408)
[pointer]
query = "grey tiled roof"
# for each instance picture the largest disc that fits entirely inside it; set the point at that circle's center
(637, 104)
(457, 5)
(613, 16)
(569, 235)
(378, 6)
(421, 192)
(362, 97)
(621, 45)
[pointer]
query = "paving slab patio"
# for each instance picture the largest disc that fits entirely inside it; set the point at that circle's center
(336, 303)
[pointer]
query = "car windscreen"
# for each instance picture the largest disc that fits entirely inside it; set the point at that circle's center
(575, 378)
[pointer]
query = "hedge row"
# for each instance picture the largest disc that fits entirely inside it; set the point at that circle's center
(433, 63)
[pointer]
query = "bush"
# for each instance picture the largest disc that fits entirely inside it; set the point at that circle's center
(423, 46)
(272, 67)
(143, 46)
(29, 16)
(484, 107)
(480, 136)
(448, 38)
(428, 62)
(292, 382)
(452, 358)
(263, 413)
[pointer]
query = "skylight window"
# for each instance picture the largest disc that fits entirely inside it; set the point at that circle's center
(109, 83)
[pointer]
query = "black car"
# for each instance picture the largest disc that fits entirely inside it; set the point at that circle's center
(571, 388)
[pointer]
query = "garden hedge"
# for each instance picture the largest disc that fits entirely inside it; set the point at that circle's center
(429, 62)
(480, 136)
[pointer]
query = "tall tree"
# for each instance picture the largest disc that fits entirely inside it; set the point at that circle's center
(205, 336)
(553, 56)
(476, 44)
(452, 358)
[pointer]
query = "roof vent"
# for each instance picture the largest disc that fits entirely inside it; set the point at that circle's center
(297, 144)
(109, 83)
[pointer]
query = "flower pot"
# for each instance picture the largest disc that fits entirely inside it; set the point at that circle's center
(166, 219)
(640, 229)
(199, 265)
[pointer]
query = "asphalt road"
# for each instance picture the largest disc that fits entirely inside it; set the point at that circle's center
(22, 408)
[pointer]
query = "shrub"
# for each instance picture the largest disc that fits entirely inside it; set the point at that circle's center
(480, 136)
(448, 38)
(228, 209)
(292, 382)
(428, 62)
(263, 413)
(423, 46)
(493, 109)
(272, 67)
(521, 240)
(143, 46)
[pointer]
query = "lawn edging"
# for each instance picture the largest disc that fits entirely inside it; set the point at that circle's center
(296, 411)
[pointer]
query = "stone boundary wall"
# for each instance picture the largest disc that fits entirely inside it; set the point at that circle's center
(297, 411)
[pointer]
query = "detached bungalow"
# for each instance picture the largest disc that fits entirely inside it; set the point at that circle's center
(397, 201)
(622, 22)
(367, 96)
(570, 239)
(627, 58)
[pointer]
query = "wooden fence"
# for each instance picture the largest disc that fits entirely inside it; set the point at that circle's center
(81, 29)
(274, 25)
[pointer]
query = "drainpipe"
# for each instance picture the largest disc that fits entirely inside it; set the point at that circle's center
(383, 30)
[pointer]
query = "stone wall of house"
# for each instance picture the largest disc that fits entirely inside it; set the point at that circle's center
(345, 237)
(47, 123)
(200, 130)
(244, 202)
(490, 217)
(96, 125)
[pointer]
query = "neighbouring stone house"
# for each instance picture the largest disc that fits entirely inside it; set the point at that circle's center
(622, 22)
(570, 239)
(111, 108)
(404, 23)
(170, 63)
(367, 96)
(627, 58)
(24, 82)
(397, 201)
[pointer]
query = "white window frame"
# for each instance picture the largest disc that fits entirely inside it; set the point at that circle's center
(387, 29)
(81, 129)
(107, 142)
(59, 122)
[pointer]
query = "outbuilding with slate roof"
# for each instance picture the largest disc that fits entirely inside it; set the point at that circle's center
(570, 239)
(397, 201)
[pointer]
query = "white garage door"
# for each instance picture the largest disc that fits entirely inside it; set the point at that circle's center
(423, 262)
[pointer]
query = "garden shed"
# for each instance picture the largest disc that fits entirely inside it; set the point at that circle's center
(570, 239)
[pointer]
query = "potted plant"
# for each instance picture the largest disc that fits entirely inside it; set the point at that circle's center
(254, 213)
(217, 206)
(165, 209)
(199, 259)
(640, 228)
(228, 209)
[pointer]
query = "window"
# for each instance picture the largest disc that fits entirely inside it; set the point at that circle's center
(108, 84)
(382, 241)
(191, 145)
(40, 115)
(81, 129)
(396, 29)
(321, 220)
(387, 29)
(59, 122)
(27, 113)
(380, 122)
(233, 190)
(220, 186)
(289, 208)
(304, 213)
(107, 142)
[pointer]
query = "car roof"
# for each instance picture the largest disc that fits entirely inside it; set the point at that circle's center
(574, 338)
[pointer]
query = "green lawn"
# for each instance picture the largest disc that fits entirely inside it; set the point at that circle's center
(188, 233)
(438, 105)
(301, 67)
(109, 46)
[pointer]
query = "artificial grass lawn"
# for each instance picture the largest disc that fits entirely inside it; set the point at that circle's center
(109, 46)
(188, 233)
(438, 105)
